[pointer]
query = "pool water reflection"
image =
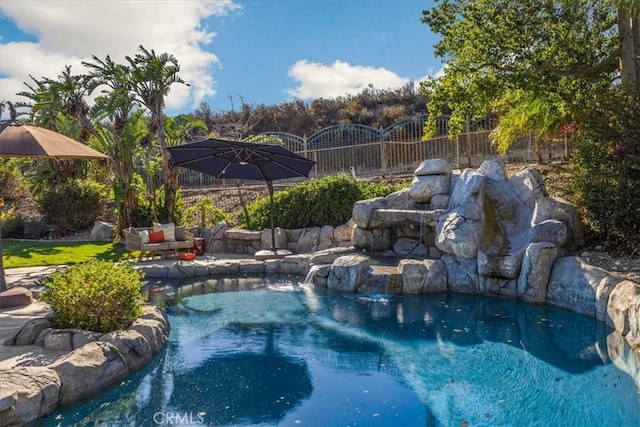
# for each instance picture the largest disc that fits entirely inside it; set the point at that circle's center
(289, 354)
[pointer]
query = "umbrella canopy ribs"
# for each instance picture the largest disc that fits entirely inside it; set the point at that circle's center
(21, 140)
(243, 160)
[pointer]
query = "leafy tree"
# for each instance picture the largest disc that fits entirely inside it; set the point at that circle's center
(112, 124)
(555, 54)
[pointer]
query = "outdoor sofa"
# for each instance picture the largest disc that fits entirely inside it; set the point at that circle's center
(159, 238)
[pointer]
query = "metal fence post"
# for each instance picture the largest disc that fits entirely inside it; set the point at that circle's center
(458, 152)
(383, 159)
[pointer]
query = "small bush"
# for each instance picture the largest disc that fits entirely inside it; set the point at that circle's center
(12, 224)
(142, 214)
(96, 296)
(606, 171)
(74, 205)
(325, 201)
(204, 214)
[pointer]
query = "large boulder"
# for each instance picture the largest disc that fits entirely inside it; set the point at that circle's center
(433, 167)
(214, 238)
(155, 332)
(279, 235)
(603, 291)
(400, 199)
(348, 272)
(133, 346)
(493, 169)
(468, 189)
(436, 280)
(499, 265)
(342, 234)
(408, 246)
(89, 369)
(551, 208)
(573, 285)
(551, 230)
(326, 239)
(375, 239)
(328, 256)
(633, 337)
(414, 273)
(362, 212)
(528, 184)
(27, 393)
(309, 240)
(458, 233)
(462, 275)
(498, 286)
(621, 300)
(535, 271)
(102, 232)
(29, 332)
(423, 188)
(506, 222)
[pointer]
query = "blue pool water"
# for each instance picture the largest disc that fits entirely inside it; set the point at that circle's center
(295, 355)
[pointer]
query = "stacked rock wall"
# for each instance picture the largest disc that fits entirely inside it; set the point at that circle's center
(94, 363)
(224, 239)
(496, 235)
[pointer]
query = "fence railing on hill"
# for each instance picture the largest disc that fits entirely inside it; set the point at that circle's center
(395, 150)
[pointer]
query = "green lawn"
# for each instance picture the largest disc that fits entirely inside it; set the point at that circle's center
(30, 253)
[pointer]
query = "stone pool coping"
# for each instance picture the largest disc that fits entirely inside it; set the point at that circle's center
(617, 300)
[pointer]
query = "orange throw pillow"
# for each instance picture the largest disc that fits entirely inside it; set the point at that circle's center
(156, 236)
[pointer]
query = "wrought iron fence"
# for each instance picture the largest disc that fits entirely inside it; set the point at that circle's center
(395, 150)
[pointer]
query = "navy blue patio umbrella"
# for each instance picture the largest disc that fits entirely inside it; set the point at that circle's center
(243, 160)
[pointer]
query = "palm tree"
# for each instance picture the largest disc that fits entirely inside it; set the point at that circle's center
(523, 113)
(53, 104)
(152, 76)
(119, 126)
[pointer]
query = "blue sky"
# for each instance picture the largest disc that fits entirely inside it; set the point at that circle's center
(261, 51)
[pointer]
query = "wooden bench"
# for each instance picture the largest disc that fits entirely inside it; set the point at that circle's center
(133, 242)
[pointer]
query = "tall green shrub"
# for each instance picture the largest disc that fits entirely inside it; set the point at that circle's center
(606, 170)
(73, 205)
(315, 203)
(96, 296)
(9, 177)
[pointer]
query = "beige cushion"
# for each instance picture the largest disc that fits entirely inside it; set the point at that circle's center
(168, 229)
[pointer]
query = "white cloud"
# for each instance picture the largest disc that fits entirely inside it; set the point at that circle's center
(340, 78)
(433, 76)
(69, 32)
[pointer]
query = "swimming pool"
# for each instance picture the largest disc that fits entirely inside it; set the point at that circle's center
(279, 353)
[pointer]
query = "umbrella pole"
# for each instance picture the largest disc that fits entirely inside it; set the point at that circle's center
(273, 232)
(3, 280)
